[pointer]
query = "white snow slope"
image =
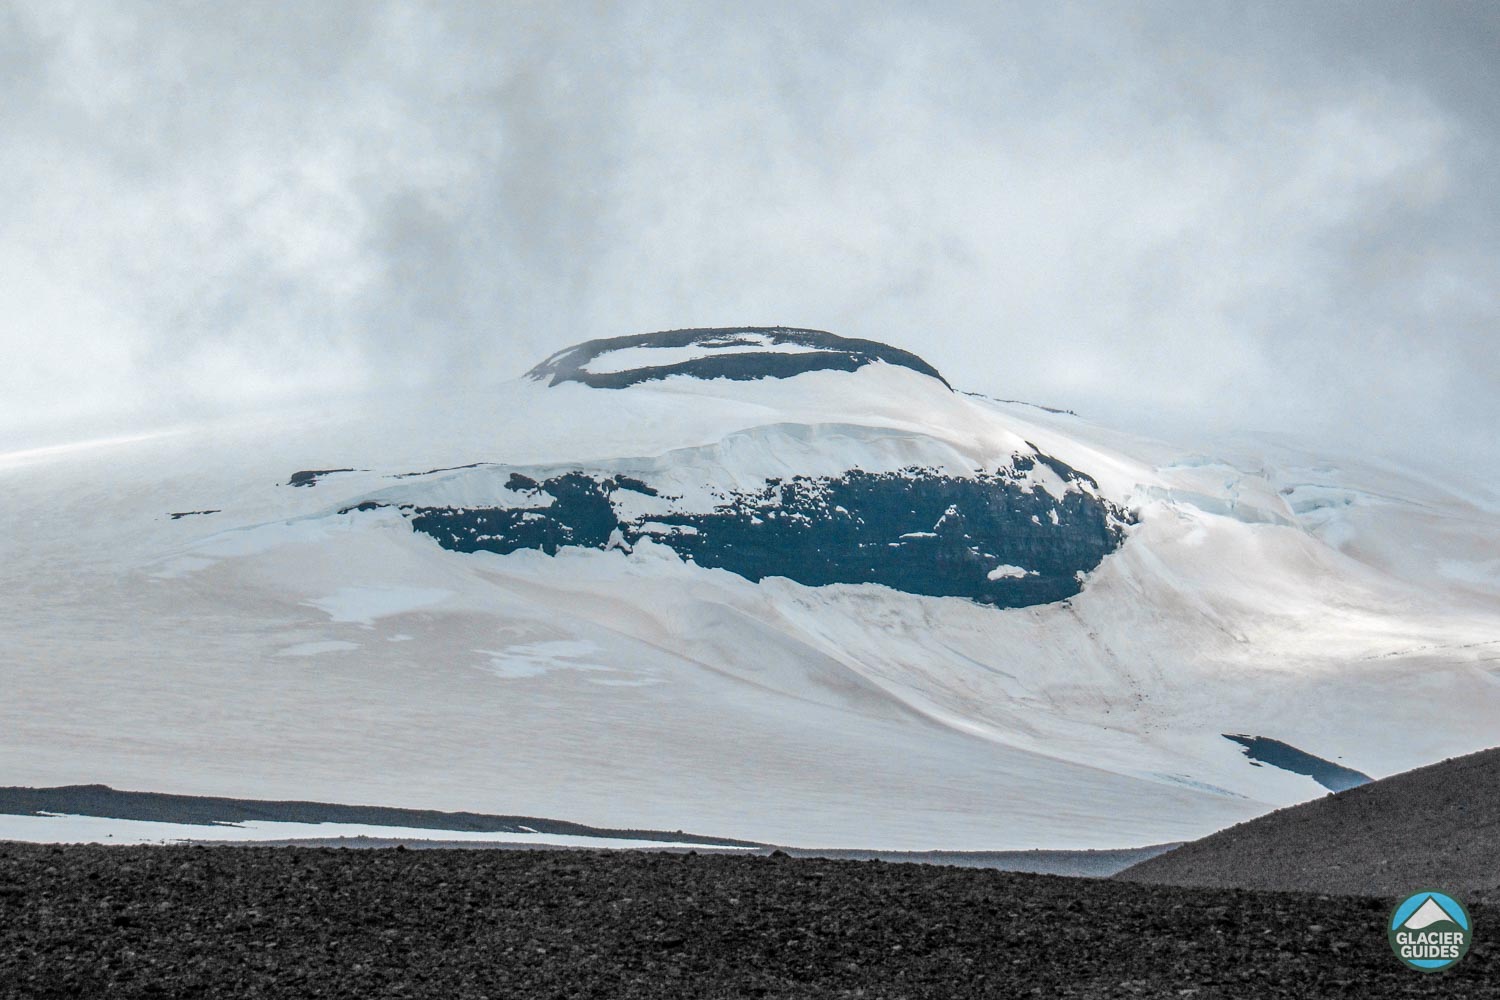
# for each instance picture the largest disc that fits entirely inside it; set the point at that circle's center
(279, 649)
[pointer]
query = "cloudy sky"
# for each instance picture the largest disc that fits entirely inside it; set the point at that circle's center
(1261, 216)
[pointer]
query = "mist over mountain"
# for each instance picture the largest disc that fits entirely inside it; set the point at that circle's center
(1172, 218)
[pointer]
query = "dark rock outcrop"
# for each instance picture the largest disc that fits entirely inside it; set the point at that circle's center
(310, 477)
(988, 538)
(1264, 750)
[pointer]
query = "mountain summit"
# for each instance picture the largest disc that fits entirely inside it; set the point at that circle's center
(742, 353)
(815, 502)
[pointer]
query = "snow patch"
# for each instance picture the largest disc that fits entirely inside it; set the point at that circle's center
(365, 604)
(630, 358)
(1008, 572)
(538, 659)
(317, 648)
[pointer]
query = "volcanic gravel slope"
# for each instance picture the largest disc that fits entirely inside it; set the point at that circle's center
(290, 922)
(1434, 827)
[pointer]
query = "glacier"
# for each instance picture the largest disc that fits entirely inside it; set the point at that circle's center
(359, 635)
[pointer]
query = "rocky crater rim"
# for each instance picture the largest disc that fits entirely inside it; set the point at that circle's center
(738, 353)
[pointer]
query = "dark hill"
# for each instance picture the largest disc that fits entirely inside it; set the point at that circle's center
(1435, 827)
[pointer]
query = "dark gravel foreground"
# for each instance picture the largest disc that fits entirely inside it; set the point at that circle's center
(292, 922)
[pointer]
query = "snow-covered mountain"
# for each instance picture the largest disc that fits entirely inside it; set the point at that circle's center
(765, 583)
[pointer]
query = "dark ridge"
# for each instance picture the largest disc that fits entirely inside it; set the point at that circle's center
(129, 923)
(831, 352)
(1063, 470)
(1264, 750)
(635, 485)
(1434, 827)
(191, 513)
(197, 810)
(1022, 402)
(1099, 863)
(918, 531)
(450, 468)
(310, 477)
(200, 810)
(1085, 864)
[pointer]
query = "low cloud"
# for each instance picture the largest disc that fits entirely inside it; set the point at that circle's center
(1266, 217)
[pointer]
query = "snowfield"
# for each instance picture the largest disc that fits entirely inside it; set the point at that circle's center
(289, 646)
